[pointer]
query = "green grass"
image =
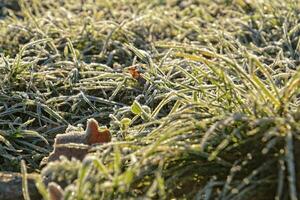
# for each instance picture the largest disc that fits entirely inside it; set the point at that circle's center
(218, 116)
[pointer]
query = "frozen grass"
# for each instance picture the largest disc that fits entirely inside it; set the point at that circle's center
(217, 116)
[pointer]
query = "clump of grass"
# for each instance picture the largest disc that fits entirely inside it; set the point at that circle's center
(216, 116)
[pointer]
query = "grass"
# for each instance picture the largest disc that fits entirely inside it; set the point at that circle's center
(215, 114)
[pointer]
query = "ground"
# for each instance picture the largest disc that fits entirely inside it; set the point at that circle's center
(201, 96)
